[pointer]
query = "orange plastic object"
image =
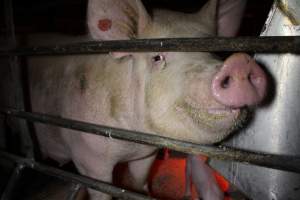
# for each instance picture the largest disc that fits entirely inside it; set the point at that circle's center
(167, 179)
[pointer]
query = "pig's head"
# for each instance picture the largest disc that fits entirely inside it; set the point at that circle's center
(190, 96)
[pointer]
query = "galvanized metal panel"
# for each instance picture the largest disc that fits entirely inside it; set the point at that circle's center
(275, 127)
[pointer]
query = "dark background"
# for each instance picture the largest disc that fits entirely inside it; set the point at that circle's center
(68, 16)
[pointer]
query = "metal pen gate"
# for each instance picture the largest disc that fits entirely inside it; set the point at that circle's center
(274, 44)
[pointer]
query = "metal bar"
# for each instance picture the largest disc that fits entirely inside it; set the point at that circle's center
(9, 24)
(13, 181)
(22, 127)
(75, 178)
(16, 79)
(282, 162)
(274, 44)
(74, 189)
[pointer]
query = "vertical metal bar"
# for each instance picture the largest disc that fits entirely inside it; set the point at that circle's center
(74, 189)
(12, 183)
(9, 24)
(17, 80)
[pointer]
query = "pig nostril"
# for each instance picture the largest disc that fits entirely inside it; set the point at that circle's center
(226, 82)
(252, 78)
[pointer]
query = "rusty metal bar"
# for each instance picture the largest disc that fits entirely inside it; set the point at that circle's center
(282, 162)
(271, 44)
(13, 181)
(75, 178)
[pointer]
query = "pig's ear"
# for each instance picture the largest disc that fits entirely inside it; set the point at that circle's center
(230, 14)
(207, 17)
(116, 19)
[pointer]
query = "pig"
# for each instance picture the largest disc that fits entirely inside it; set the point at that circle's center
(197, 171)
(194, 97)
(230, 13)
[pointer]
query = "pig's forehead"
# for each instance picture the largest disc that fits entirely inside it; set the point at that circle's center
(195, 59)
(190, 55)
(178, 55)
(172, 24)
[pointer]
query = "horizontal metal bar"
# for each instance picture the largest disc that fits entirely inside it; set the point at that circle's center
(75, 178)
(282, 162)
(274, 44)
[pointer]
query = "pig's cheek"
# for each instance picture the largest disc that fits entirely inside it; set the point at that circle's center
(197, 92)
(161, 92)
(158, 66)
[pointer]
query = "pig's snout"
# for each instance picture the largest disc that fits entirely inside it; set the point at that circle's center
(240, 82)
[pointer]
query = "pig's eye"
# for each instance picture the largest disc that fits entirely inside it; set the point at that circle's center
(158, 62)
(158, 58)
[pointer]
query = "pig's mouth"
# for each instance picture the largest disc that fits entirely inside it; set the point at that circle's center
(216, 119)
(225, 110)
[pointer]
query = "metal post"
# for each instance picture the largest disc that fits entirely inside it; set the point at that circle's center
(12, 183)
(17, 81)
(18, 100)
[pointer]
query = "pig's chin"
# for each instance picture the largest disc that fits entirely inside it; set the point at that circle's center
(217, 121)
